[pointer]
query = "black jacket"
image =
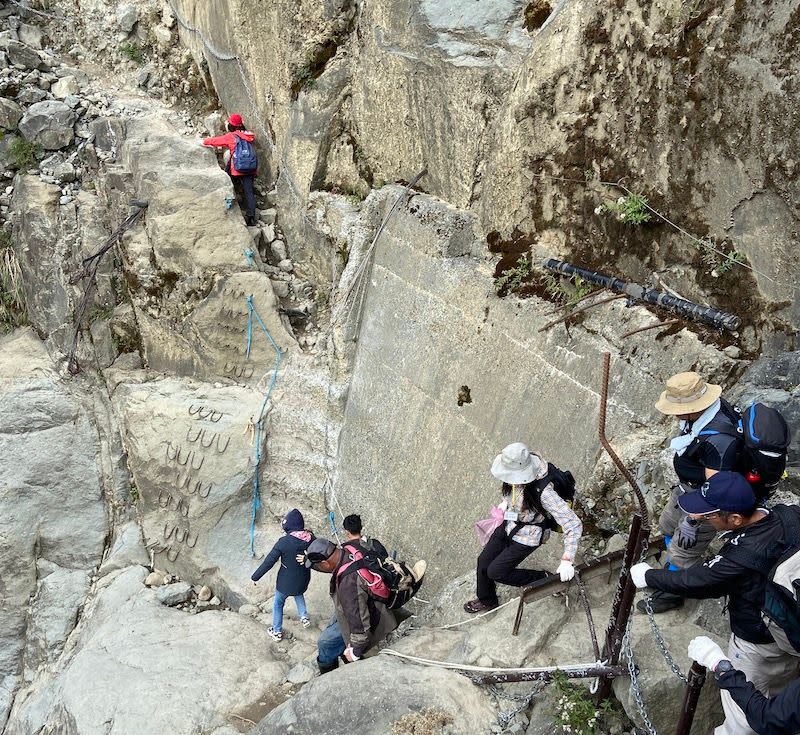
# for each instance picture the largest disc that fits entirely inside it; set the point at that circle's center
(723, 576)
(293, 578)
(717, 448)
(779, 715)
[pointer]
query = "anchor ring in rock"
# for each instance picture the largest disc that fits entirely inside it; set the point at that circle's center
(175, 454)
(199, 491)
(181, 534)
(216, 416)
(203, 416)
(173, 556)
(226, 370)
(161, 494)
(202, 459)
(192, 439)
(227, 441)
(172, 530)
(207, 446)
(179, 456)
(194, 543)
(195, 411)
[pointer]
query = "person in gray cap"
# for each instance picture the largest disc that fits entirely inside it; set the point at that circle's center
(528, 497)
(360, 621)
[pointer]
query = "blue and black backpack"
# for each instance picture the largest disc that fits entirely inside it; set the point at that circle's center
(245, 160)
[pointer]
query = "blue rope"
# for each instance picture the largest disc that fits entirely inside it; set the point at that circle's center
(333, 525)
(256, 505)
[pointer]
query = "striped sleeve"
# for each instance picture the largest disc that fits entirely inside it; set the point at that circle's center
(572, 527)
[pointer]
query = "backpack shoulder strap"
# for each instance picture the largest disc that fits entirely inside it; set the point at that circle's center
(790, 521)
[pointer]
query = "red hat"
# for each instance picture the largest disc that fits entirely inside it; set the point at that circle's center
(236, 120)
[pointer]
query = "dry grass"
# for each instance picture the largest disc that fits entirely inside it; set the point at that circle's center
(426, 722)
(12, 302)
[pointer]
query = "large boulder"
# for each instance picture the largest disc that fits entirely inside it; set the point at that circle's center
(49, 124)
(23, 56)
(380, 692)
(171, 671)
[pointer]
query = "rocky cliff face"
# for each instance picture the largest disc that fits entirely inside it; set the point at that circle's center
(352, 351)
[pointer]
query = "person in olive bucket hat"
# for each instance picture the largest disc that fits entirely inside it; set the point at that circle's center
(707, 443)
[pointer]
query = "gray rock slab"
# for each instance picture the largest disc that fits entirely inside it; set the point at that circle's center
(21, 55)
(172, 672)
(126, 550)
(49, 123)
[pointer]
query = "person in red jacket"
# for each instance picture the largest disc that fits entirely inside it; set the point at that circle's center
(239, 143)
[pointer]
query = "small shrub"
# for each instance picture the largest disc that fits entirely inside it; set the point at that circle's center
(717, 263)
(575, 712)
(567, 295)
(631, 209)
(512, 278)
(303, 77)
(23, 153)
(132, 51)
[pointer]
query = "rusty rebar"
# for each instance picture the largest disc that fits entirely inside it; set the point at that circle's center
(696, 678)
(601, 431)
(668, 323)
(582, 309)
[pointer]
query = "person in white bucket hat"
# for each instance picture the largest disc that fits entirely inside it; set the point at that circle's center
(529, 498)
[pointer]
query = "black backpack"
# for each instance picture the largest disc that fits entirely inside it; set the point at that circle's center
(764, 448)
(391, 581)
(782, 592)
(563, 484)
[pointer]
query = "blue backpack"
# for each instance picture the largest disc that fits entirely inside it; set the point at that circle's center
(245, 160)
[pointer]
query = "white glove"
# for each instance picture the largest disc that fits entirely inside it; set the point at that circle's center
(565, 570)
(707, 653)
(637, 573)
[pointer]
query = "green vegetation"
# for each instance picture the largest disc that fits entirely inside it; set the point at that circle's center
(23, 153)
(12, 301)
(101, 312)
(575, 712)
(303, 77)
(631, 209)
(512, 278)
(132, 51)
(716, 261)
(569, 292)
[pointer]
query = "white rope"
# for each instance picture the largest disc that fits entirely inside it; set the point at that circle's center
(475, 617)
(491, 669)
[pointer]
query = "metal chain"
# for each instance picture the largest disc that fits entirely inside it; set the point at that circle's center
(627, 651)
(589, 619)
(662, 643)
(505, 718)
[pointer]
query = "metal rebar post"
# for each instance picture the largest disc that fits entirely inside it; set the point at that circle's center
(589, 672)
(697, 677)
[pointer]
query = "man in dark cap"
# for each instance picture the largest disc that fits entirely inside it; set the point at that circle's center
(361, 621)
(728, 503)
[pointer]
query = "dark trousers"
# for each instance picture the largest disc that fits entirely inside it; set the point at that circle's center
(244, 186)
(497, 563)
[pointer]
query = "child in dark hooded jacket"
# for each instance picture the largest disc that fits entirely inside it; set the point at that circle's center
(293, 578)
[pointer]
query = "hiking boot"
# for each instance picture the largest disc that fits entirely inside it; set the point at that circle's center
(476, 606)
(418, 570)
(306, 622)
(661, 602)
(276, 635)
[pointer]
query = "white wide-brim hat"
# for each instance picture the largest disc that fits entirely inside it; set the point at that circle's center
(514, 465)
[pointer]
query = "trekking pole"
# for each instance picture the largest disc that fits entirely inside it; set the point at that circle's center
(694, 685)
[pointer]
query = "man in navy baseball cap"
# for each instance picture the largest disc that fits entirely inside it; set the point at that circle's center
(755, 539)
(723, 492)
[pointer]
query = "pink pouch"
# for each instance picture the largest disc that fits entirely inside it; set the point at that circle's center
(486, 527)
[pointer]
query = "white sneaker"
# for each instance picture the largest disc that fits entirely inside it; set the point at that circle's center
(277, 635)
(306, 622)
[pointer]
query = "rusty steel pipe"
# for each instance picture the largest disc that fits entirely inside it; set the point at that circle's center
(696, 678)
(601, 431)
(588, 673)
